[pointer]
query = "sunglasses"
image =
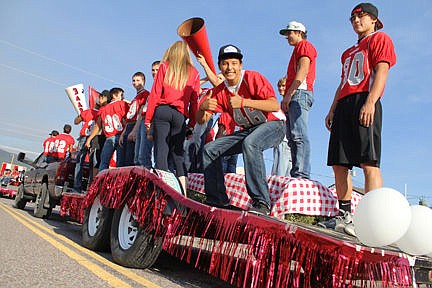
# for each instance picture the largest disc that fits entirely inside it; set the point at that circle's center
(359, 15)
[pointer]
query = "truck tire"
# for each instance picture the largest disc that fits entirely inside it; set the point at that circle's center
(131, 245)
(96, 227)
(20, 202)
(42, 208)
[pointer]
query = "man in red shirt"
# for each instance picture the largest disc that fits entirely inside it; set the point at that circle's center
(248, 99)
(49, 146)
(88, 118)
(65, 142)
(355, 116)
(129, 146)
(111, 122)
(298, 98)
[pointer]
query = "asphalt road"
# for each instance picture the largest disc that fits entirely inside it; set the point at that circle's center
(47, 253)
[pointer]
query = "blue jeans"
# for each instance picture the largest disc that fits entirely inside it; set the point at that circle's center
(143, 147)
(108, 149)
(282, 163)
(126, 151)
(297, 133)
(80, 157)
(229, 163)
(251, 142)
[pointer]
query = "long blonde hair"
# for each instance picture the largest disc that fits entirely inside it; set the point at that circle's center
(179, 61)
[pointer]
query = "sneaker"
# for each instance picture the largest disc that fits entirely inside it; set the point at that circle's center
(260, 208)
(329, 224)
(345, 224)
(349, 229)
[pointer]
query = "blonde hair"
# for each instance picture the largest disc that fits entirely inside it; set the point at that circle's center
(281, 81)
(179, 61)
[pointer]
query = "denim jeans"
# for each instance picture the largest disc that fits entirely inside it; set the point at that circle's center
(297, 133)
(251, 142)
(229, 163)
(80, 157)
(282, 163)
(143, 147)
(108, 149)
(126, 151)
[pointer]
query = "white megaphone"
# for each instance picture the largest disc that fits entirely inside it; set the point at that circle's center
(77, 97)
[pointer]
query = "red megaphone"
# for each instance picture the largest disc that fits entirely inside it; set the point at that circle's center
(194, 33)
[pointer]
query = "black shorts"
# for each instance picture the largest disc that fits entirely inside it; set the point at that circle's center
(352, 144)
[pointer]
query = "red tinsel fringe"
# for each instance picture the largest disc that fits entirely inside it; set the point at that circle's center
(72, 205)
(243, 249)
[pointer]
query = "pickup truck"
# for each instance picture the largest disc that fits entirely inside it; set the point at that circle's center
(45, 182)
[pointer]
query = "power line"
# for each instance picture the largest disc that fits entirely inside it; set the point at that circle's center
(57, 62)
(33, 75)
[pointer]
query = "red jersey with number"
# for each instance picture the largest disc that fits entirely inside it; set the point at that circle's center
(112, 116)
(254, 86)
(185, 100)
(50, 147)
(359, 62)
(303, 48)
(63, 142)
(139, 100)
(88, 117)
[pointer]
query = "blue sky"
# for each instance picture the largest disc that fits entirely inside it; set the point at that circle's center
(46, 46)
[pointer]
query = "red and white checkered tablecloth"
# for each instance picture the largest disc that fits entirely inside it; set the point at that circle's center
(287, 195)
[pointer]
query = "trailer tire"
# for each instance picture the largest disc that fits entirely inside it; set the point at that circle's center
(96, 227)
(131, 245)
(19, 201)
(40, 209)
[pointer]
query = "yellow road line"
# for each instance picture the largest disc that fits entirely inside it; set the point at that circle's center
(126, 272)
(95, 269)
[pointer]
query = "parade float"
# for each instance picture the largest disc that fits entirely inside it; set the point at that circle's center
(136, 213)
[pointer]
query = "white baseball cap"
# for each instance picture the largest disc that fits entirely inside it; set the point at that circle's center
(293, 26)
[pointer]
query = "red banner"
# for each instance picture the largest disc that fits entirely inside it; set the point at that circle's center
(93, 96)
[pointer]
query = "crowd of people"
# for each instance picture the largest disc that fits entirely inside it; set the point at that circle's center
(240, 114)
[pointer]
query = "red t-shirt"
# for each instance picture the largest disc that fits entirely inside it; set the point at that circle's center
(88, 117)
(135, 105)
(112, 116)
(303, 49)
(359, 61)
(185, 100)
(63, 142)
(253, 86)
(49, 146)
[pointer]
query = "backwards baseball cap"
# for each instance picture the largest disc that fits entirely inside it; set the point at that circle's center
(293, 26)
(229, 51)
(371, 10)
(67, 128)
(54, 133)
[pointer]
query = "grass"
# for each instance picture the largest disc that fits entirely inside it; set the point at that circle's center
(295, 218)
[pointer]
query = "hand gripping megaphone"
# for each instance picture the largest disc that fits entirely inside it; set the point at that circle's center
(77, 97)
(194, 33)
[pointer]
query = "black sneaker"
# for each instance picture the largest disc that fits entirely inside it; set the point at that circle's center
(260, 208)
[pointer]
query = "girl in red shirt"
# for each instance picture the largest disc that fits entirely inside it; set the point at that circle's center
(173, 99)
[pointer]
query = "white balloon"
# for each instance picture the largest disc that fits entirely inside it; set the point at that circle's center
(382, 217)
(418, 238)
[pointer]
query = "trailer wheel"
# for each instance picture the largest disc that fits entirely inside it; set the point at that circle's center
(96, 228)
(131, 245)
(42, 208)
(20, 202)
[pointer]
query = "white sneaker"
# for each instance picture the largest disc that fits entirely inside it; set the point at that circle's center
(345, 224)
